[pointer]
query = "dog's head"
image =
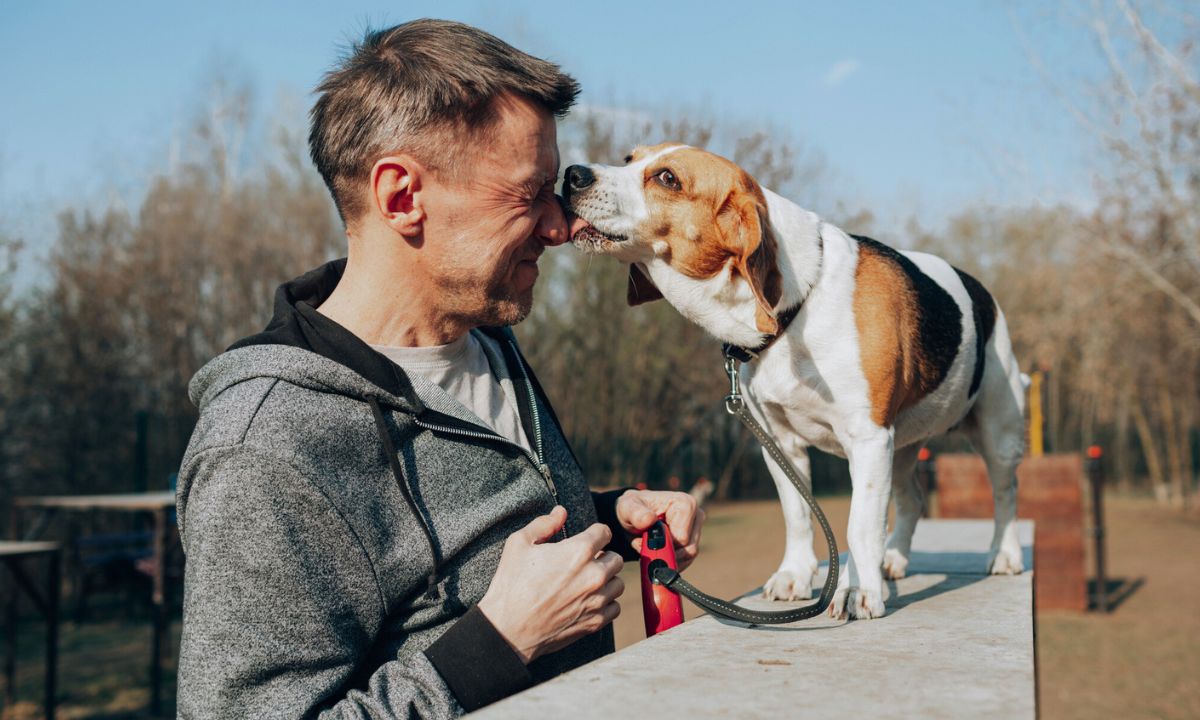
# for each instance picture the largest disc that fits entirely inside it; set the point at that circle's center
(693, 228)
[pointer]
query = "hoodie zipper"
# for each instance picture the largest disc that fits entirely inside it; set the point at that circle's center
(537, 457)
(537, 422)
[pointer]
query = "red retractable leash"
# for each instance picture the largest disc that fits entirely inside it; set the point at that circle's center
(662, 608)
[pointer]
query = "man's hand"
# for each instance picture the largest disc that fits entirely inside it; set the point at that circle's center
(546, 595)
(638, 509)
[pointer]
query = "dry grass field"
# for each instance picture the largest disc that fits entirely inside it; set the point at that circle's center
(1139, 661)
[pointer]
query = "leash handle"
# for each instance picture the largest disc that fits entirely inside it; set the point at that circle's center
(661, 608)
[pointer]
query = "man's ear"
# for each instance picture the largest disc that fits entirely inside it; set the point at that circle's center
(752, 243)
(641, 288)
(396, 194)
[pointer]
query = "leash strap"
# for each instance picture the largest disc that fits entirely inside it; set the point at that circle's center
(735, 404)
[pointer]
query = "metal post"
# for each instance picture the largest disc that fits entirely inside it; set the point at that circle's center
(53, 590)
(141, 422)
(10, 628)
(925, 478)
(1096, 479)
(1037, 426)
(159, 610)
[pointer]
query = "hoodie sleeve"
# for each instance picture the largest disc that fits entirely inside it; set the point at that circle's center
(606, 512)
(281, 605)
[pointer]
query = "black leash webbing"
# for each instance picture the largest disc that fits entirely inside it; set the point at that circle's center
(671, 579)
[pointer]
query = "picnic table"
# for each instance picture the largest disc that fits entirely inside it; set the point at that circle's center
(13, 554)
(158, 504)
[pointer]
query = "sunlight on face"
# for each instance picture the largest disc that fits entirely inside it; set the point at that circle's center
(486, 230)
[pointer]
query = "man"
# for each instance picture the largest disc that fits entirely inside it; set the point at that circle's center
(380, 512)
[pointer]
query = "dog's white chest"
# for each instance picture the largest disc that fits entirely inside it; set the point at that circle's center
(799, 406)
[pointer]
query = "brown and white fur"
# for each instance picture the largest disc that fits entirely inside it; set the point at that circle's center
(881, 356)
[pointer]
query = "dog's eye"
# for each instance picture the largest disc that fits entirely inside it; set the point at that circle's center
(666, 178)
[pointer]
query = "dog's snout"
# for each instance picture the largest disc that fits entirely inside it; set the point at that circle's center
(579, 178)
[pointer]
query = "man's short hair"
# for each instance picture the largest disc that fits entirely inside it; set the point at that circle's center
(426, 88)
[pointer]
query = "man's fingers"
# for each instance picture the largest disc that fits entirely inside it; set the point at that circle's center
(592, 540)
(612, 589)
(681, 516)
(636, 514)
(609, 612)
(697, 525)
(543, 527)
(610, 562)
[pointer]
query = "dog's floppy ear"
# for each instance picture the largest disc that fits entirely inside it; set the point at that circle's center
(641, 288)
(755, 258)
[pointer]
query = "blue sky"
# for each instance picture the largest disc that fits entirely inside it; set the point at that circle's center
(918, 108)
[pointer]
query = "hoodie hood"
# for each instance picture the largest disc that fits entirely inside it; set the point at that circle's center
(296, 323)
(294, 365)
(304, 347)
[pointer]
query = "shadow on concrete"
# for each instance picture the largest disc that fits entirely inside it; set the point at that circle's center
(956, 570)
(1118, 591)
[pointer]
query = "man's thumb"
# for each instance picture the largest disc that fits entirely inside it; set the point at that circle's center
(543, 527)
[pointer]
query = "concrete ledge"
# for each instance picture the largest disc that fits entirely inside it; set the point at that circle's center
(955, 643)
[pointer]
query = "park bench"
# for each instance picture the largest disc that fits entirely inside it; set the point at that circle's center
(955, 642)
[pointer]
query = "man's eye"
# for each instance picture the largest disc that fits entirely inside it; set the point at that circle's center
(667, 179)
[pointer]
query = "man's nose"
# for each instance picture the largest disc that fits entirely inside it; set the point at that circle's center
(578, 177)
(552, 225)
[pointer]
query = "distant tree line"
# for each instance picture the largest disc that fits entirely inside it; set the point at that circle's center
(137, 301)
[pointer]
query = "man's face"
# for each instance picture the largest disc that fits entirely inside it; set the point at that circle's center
(486, 229)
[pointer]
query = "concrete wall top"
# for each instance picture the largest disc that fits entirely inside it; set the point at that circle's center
(955, 642)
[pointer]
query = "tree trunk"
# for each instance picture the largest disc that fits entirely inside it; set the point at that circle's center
(1123, 460)
(725, 482)
(1153, 463)
(1166, 407)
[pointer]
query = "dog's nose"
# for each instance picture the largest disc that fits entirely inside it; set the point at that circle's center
(579, 177)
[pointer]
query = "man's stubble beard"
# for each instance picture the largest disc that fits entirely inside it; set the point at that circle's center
(493, 302)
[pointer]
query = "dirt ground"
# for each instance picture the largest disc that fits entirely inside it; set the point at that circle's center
(1139, 661)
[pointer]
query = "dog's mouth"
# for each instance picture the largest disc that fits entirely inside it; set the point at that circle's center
(587, 237)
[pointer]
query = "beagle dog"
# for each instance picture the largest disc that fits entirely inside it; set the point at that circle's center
(852, 347)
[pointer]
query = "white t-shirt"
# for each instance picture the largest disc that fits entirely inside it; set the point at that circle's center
(462, 370)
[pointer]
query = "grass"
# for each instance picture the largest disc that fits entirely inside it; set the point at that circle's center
(1140, 660)
(103, 671)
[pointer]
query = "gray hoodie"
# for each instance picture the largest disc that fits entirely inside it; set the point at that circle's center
(341, 521)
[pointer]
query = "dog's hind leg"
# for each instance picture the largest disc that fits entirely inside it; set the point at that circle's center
(996, 427)
(794, 578)
(909, 499)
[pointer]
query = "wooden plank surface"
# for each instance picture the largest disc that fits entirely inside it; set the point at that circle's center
(17, 548)
(126, 501)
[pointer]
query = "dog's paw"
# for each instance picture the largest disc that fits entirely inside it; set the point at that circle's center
(837, 606)
(857, 604)
(895, 565)
(786, 585)
(865, 604)
(1006, 562)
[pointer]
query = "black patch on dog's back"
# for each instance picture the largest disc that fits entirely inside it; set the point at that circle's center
(983, 308)
(940, 319)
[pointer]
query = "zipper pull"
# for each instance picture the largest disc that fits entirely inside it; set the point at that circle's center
(544, 469)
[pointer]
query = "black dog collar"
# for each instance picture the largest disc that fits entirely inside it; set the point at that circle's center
(742, 354)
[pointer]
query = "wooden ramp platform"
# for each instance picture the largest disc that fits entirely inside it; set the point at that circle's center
(955, 643)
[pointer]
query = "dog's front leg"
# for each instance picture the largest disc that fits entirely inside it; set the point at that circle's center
(860, 588)
(793, 580)
(909, 497)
